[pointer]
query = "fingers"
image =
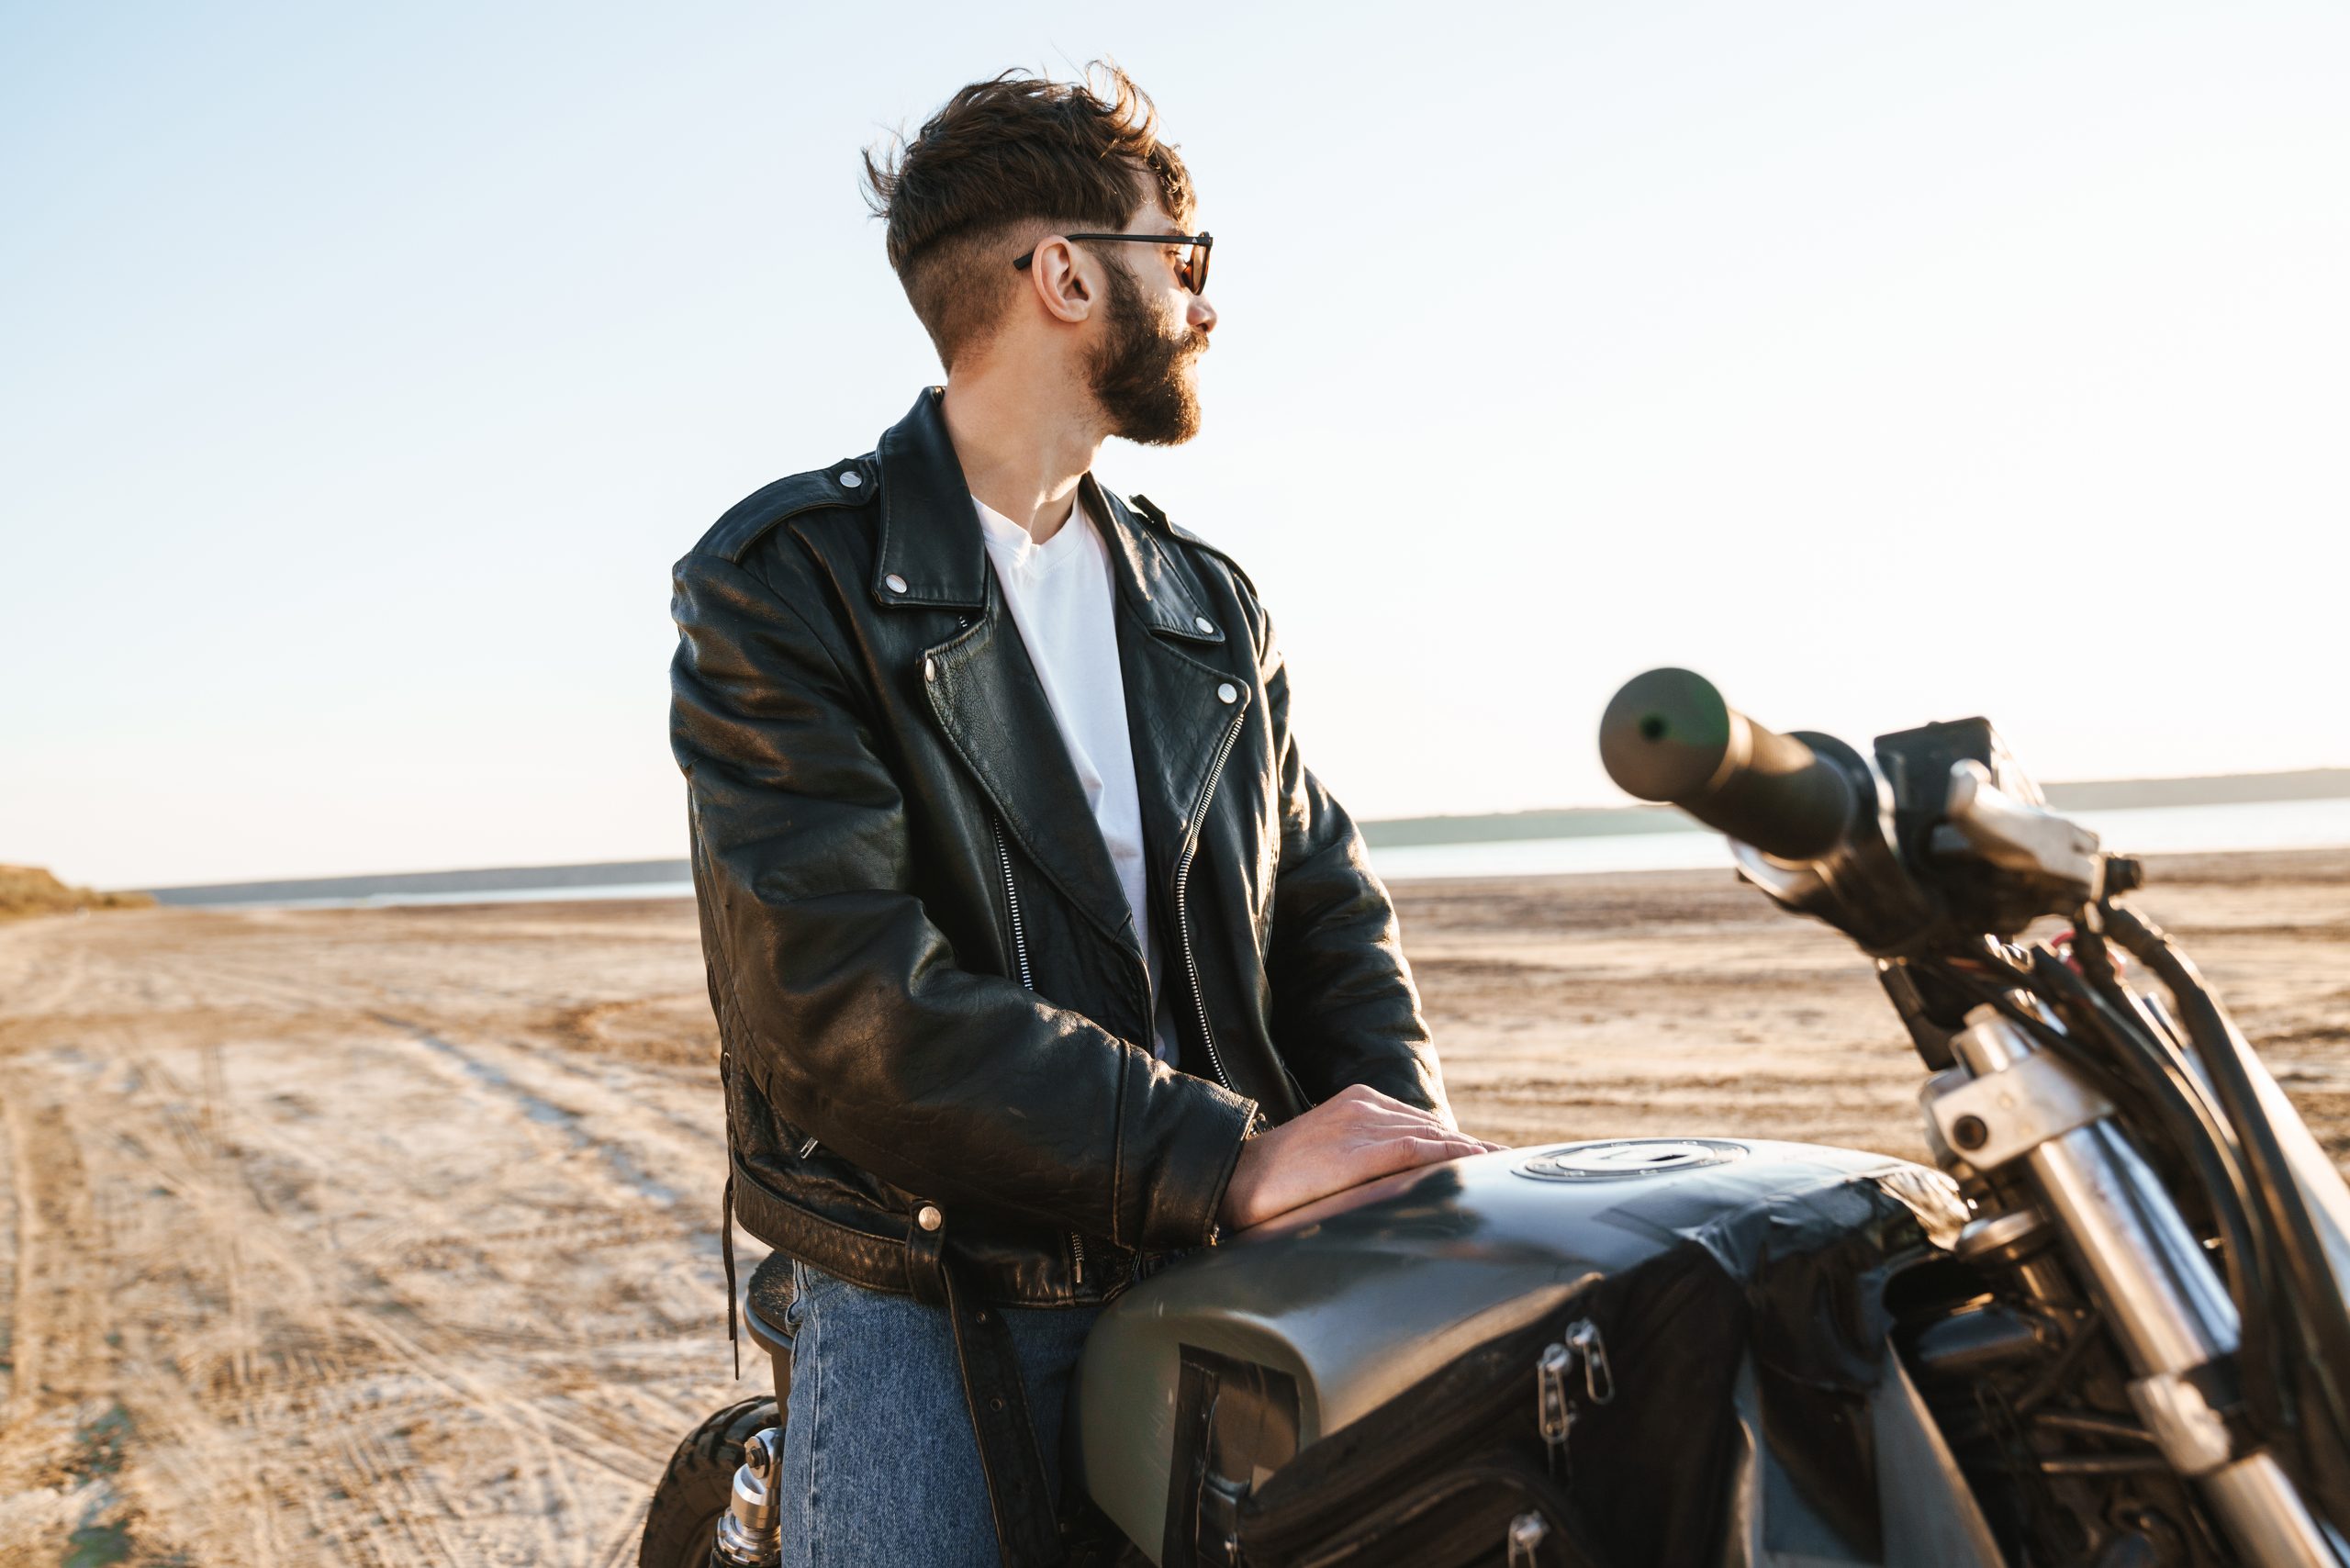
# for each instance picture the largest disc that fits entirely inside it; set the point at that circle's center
(1410, 1153)
(1403, 1121)
(1369, 1124)
(1361, 1105)
(1450, 1147)
(1365, 1112)
(1371, 1102)
(1336, 1146)
(1444, 1144)
(1439, 1144)
(1379, 1121)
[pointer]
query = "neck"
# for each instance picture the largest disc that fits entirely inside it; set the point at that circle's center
(1024, 439)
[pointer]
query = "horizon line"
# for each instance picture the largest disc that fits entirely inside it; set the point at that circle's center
(1549, 822)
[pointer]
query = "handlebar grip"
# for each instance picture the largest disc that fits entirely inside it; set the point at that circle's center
(1668, 735)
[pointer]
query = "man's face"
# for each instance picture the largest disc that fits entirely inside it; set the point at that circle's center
(1144, 369)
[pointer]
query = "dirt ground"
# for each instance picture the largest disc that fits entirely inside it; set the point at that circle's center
(390, 1237)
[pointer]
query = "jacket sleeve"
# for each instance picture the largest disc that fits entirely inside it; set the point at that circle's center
(1345, 1010)
(957, 1086)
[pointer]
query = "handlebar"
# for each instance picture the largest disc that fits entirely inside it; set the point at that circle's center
(1669, 736)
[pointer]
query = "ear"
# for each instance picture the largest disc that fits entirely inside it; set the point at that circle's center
(1059, 279)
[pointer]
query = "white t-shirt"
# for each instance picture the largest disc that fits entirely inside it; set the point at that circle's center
(1059, 594)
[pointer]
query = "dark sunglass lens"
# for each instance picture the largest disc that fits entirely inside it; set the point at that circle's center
(1196, 274)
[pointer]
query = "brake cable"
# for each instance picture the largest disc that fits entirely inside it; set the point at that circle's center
(2324, 1315)
(2198, 1135)
(2209, 1153)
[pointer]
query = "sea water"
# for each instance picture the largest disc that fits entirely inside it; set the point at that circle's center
(2145, 830)
(2138, 830)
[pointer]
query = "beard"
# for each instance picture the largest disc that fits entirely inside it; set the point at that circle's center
(1140, 373)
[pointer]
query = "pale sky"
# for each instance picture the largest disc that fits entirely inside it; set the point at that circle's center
(365, 368)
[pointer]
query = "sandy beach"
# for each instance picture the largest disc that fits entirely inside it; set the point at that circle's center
(388, 1237)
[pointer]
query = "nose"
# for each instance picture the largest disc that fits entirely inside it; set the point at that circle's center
(1200, 315)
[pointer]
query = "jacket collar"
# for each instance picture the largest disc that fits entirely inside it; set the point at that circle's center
(1154, 580)
(930, 537)
(1186, 690)
(931, 540)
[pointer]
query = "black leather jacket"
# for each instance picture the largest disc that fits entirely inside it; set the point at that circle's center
(933, 1011)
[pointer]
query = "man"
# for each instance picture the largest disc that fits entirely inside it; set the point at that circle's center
(1037, 953)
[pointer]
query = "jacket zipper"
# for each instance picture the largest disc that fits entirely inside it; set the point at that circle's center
(1012, 903)
(1028, 982)
(1182, 916)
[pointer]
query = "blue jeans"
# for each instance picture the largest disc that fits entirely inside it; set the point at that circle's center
(879, 1467)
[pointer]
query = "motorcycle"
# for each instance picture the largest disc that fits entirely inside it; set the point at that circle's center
(2110, 1330)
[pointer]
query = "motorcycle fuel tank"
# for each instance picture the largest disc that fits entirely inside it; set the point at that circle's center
(1305, 1324)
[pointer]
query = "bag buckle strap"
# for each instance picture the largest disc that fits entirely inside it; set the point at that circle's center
(1027, 1534)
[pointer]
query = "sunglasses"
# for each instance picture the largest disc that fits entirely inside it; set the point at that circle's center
(1192, 269)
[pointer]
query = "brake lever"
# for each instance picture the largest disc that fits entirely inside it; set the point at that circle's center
(1984, 823)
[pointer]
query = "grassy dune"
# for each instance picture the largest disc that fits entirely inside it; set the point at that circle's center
(29, 890)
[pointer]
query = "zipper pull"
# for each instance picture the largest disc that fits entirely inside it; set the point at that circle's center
(1552, 1413)
(1555, 1405)
(1598, 1377)
(1526, 1534)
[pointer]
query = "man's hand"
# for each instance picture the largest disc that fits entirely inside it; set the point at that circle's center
(1347, 1139)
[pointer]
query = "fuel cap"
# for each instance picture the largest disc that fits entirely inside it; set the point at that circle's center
(1628, 1157)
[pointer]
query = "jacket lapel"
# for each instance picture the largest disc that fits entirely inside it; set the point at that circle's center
(988, 700)
(982, 687)
(1177, 660)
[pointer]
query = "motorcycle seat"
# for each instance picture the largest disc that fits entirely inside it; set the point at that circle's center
(766, 1298)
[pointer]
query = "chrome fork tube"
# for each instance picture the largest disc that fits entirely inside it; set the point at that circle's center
(2168, 1310)
(750, 1532)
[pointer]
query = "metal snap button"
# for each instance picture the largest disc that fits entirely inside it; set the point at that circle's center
(930, 669)
(894, 583)
(1204, 624)
(928, 1217)
(852, 478)
(1227, 692)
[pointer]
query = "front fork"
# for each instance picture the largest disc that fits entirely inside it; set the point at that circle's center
(2011, 1102)
(749, 1533)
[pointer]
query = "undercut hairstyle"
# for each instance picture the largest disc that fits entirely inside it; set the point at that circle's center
(1009, 160)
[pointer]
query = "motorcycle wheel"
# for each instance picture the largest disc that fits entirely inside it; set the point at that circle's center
(694, 1491)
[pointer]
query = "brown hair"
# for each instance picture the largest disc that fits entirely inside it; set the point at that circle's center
(1013, 153)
